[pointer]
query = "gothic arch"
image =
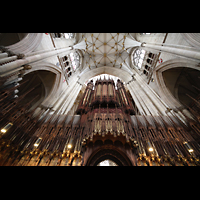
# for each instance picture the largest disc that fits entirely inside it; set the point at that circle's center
(28, 43)
(108, 152)
(165, 94)
(57, 84)
(122, 74)
(192, 38)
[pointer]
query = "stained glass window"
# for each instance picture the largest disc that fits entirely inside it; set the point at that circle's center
(138, 58)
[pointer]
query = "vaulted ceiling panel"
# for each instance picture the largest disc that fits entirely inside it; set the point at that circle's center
(106, 49)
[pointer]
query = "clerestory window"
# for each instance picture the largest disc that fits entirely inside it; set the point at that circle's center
(138, 58)
(75, 60)
(69, 35)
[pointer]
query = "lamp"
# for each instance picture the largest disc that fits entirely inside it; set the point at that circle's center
(150, 147)
(37, 142)
(69, 146)
(189, 148)
(5, 128)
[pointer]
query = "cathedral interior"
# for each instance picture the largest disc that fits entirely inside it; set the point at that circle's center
(99, 99)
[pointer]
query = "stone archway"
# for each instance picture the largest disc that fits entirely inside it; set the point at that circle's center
(108, 152)
(122, 74)
(21, 42)
(116, 149)
(192, 38)
(7, 39)
(51, 92)
(164, 92)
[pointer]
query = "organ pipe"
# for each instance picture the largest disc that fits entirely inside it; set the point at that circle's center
(99, 90)
(52, 141)
(110, 90)
(104, 93)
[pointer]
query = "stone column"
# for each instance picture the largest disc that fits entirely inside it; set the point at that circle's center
(141, 99)
(7, 59)
(147, 101)
(28, 59)
(3, 55)
(72, 97)
(185, 52)
(131, 89)
(64, 95)
(155, 99)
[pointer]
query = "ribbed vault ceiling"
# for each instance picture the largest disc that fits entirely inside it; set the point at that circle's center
(106, 49)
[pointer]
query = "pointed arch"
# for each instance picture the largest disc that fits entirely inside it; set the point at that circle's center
(165, 94)
(55, 90)
(122, 74)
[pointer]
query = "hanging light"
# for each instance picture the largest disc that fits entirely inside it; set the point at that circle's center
(70, 144)
(6, 127)
(37, 142)
(150, 148)
(189, 148)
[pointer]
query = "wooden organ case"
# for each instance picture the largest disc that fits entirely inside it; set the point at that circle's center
(105, 110)
(107, 125)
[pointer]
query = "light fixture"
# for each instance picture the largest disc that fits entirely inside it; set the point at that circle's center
(37, 142)
(36, 145)
(150, 146)
(190, 150)
(150, 149)
(5, 128)
(69, 146)
(188, 147)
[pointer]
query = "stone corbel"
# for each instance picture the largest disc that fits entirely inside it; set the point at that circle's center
(22, 71)
(133, 79)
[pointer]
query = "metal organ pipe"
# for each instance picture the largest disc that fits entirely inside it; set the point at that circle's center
(110, 90)
(58, 141)
(104, 93)
(124, 96)
(85, 97)
(88, 96)
(99, 90)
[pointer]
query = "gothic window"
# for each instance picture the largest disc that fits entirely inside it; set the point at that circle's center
(145, 33)
(57, 35)
(69, 35)
(64, 58)
(63, 35)
(144, 61)
(145, 72)
(138, 58)
(75, 59)
(65, 61)
(70, 63)
(151, 55)
(149, 63)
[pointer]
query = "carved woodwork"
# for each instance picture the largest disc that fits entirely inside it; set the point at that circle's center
(106, 125)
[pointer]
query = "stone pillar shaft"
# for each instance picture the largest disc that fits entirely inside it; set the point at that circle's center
(18, 63)
(175, 50)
